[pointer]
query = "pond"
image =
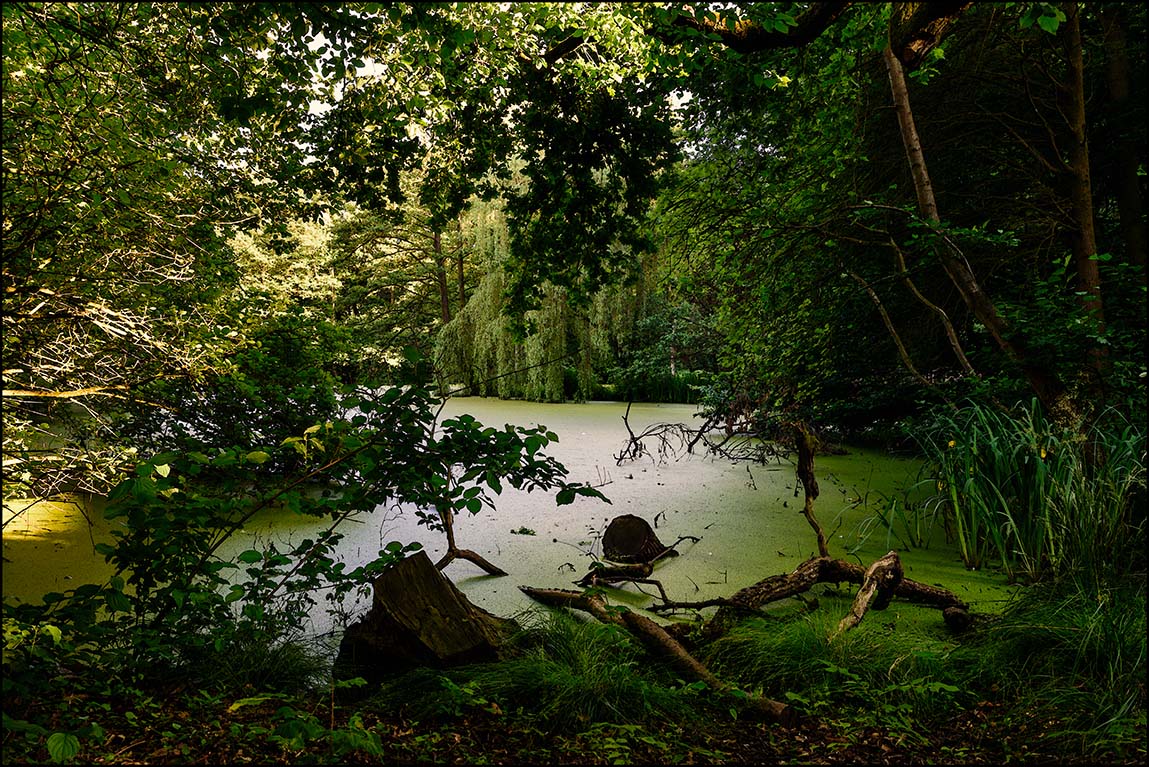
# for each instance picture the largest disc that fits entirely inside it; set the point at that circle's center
(748, 517)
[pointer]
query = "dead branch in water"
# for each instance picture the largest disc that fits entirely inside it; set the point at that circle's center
(672, 440)
(882, 581)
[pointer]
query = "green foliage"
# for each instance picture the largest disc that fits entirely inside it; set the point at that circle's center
(1071, 653)
(176, 608)
(793, 652)
(137, 137)
(908, 523)
(568, 674)
(1040, 500)
(861, 677)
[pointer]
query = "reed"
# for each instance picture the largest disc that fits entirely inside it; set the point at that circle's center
(1021, 493)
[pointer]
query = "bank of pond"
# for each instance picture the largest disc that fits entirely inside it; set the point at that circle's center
(1029, 680)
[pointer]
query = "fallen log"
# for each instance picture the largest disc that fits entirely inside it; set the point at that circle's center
(610, 574)
(878, 585)
(803, 578)
(657, 640)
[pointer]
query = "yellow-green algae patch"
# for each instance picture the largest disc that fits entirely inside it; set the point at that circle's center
(49, 546)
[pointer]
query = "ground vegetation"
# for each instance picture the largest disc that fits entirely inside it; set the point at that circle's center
(247, 248)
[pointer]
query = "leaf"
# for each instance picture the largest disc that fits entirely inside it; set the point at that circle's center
(20, 725)
(163, 469)
(117, 602)
(258, 456)
(250, 556)
(253, 701)
(63, 746)
(235, 594)
(343, 684)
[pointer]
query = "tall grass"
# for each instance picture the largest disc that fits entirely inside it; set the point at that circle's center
(1036, 499)
(568, 673)
(1071, 656)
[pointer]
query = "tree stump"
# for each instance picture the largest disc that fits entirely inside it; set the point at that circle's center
(418, 618)
(631, 539)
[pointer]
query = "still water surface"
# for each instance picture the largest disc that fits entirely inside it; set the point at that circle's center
(748, 518)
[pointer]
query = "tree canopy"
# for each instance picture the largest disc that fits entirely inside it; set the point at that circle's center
(997, 247)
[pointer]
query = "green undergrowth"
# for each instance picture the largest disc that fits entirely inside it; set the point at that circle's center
(1071, 654)
(1060, 674)
(566, 674)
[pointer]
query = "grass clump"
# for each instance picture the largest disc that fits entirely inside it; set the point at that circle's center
(1072, 654)
(882, 672)
(566, 673)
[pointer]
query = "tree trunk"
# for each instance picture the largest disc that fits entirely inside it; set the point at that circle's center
(630, 539)
(441, 279)
(1081, 188)
(805, 472)
(1128, 186)
(1045, 384)
(418, 618)
(461, 278)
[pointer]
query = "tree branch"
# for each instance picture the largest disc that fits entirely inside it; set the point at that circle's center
(750, 37)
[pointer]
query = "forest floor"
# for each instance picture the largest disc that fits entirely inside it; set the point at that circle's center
(310, 730)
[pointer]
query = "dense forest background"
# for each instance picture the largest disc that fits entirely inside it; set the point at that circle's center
(251, 208)
(247, 248)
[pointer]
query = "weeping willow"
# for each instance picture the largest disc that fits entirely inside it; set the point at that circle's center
(477, 354)
(624, 344)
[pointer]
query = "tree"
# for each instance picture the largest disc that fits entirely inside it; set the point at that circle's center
(915, 31)
(109, 214)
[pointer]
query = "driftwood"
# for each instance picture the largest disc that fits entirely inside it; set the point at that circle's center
(805, 471)
(737, 444)
(878, 585)
(657, 640)
(824, 569)
(639, 572)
